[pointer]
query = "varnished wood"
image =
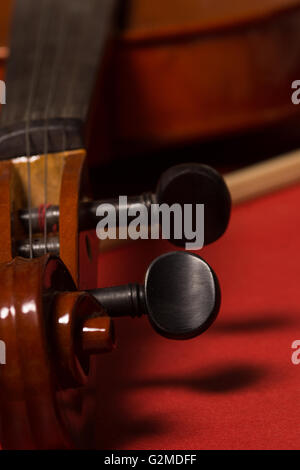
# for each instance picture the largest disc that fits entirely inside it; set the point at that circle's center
(231, 63)
(63, 188)
(154, 18)
(28, 415)
(5, 26)
(78, 336)
(69, 204)
(5, 22)
(43, 330)
(6, 195)
(55, 164)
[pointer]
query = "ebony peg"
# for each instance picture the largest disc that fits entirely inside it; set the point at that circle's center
(194, 183)
(181, 296)
(190, 183)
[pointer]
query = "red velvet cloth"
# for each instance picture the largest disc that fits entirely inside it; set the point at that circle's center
(235, 387)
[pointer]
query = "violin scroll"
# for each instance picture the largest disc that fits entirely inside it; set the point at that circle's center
(50, 330)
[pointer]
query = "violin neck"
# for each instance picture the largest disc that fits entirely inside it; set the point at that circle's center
(51, 73)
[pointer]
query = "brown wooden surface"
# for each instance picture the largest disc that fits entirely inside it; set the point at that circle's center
(48, 335)
(5, 21)
(27, 391)
(154, 17)
(69, 203)
(77, 336)
(5, 211)
(6, 9)
(55, 164)
(227, 67)
(34, 413)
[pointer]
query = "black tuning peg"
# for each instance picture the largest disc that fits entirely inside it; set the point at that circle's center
(190, 183)
(181, 296)
(194, 183)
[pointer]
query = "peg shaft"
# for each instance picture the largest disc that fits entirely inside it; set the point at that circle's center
(122, 301)
(181, 296)
(186, 184)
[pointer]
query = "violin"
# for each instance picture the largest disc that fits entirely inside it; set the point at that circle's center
(53, 319)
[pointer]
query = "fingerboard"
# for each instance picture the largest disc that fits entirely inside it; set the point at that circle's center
(56, 49)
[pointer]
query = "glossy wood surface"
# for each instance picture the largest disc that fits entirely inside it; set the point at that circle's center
(154, 17)
(196, 70)
(47, 351)
(69, 205)
(5, 26)
(79, 333)
(50, 329)
(28, 415)
(6, 239)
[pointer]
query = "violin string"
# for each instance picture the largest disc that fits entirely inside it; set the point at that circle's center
(76, 64)
(34, 79)
(73, 74)
(52, 87)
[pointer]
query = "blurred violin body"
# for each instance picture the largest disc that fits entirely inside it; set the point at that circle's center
(5, 23)
(197, 70)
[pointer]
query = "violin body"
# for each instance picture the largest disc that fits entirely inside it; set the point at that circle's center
(195, 70)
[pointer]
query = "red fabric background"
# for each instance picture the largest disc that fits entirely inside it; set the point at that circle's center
(234, 387)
